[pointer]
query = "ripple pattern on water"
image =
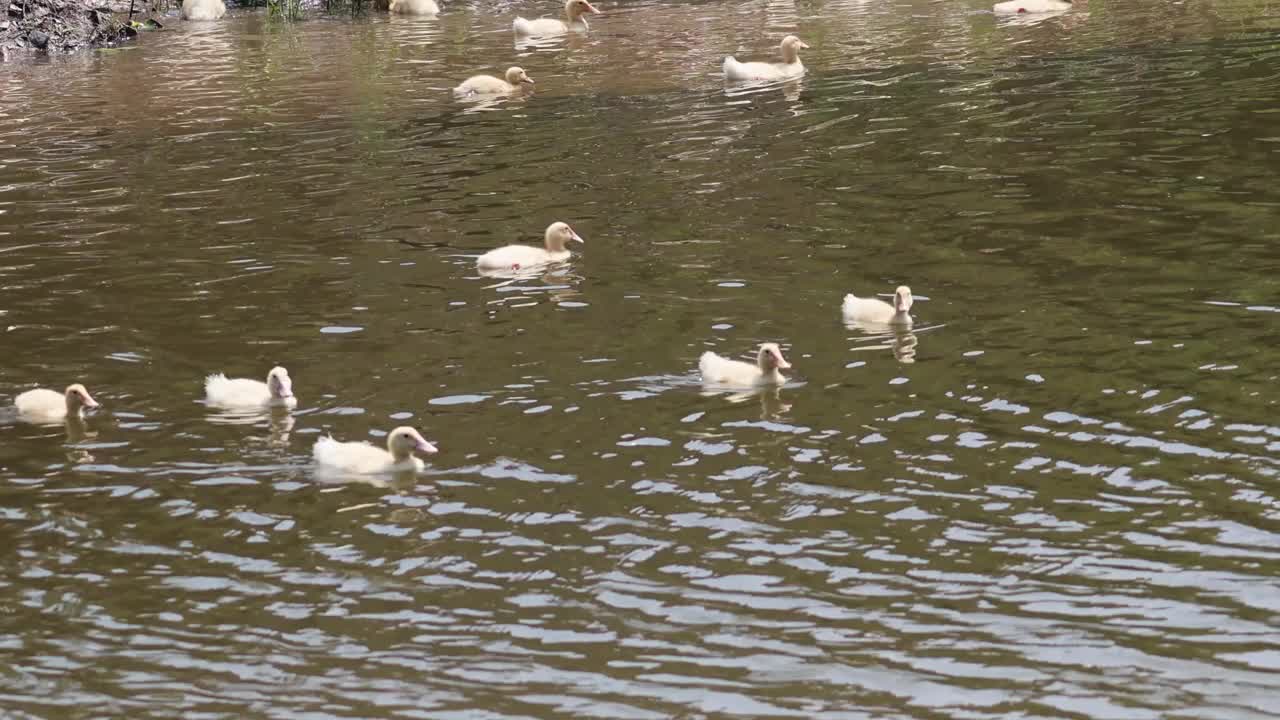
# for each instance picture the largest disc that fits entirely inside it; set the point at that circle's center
(1053, 496)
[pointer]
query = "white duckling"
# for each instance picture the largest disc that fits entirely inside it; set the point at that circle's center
(790, 67)
(518, 257)
(1031, 6)
(414, 7)
(203, 9)
(243, 393)
(718, 370)
(872, 310)
(490, 85)
(573, 12)
(44, 406)
(361, 458)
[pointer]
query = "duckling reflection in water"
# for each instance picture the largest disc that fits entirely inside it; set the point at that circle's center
(558, 283)
(490, 103)
(900, 341)
(398, 481)
(790, 88)
(904, 346)
(78, 432)
(279, 428)
(280, 422)
(771, 405)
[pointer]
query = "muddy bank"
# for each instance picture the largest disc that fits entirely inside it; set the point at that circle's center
(68, 25)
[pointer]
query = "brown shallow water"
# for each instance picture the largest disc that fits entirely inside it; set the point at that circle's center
(1058, 497)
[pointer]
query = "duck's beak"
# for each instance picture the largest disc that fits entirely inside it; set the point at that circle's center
(782, 363)
(527, 80)
(592, 9)
(90, 403)
(426, 447)
(574, 236)
(804, 45)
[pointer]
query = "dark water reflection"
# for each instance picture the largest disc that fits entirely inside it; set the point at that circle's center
(1055, 496)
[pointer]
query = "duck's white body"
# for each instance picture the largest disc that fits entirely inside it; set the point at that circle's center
(542, 27)
(1031, 6)
(763, 71)
(490, 85)
(521, 257)
(243, 393)
(484, 85)
(203, 9)
(414, 7)
(879, 312)
(361, 458)
(721, 371)
(789, 68)
(43, 405)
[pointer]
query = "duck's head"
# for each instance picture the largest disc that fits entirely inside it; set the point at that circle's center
(559, 235)
(791, 47)
(577, 8)
(78, 397)
(404, 440)
(516, 75)
(902, 299)
(279, 383)
(770, 358)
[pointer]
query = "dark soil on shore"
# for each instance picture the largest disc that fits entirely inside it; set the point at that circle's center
(56, 26)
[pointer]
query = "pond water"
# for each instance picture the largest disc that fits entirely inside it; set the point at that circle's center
(1057, 496)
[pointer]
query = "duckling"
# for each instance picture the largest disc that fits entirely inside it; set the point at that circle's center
(517, 257)
(43, 405)
(203, 9)
(414, 7)
(243, 393)
(361, 458)
(490, 85)
(722, 371)
(790, 67)
(573, 12)
(871, 310)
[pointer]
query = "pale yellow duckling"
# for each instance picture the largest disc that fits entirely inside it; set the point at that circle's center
(490, 85)
(574, 20)
(721, 371)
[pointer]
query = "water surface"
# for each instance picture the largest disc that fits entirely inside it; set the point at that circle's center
(1055, 497)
